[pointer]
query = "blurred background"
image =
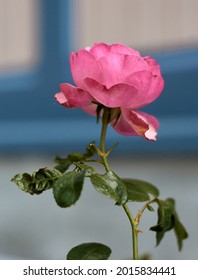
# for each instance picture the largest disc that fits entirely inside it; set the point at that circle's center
(37, 37)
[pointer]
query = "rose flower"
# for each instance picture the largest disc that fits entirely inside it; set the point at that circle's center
(116, 77)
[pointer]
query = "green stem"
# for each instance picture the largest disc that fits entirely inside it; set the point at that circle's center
(105, 121)
(134, 231)
(103, 155)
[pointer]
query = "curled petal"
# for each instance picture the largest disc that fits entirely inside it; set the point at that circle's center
(73, 97)
(136, 123)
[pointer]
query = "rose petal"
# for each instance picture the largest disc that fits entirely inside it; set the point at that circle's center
(101, 49)
(136, 123)
(120, 95)
(115, 68)
(120, 48)
(83, 65)
(73, 97)
(90, 109)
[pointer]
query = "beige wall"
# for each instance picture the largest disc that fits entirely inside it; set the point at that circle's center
(139, 23)
(19, 31)
(144, 24)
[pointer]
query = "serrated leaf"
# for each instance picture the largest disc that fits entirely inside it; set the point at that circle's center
(139, 190)
(89, 251)
(41, 180)
(68, 188)
(110, 185)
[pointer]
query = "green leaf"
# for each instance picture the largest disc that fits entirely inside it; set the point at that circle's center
(110, 185)
(62, 164)
(41, 180)
(167, 220)
(89, 251)
(179, 229)
(68, 188)
(139, 190)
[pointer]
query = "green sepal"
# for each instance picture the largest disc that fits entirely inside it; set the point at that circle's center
(41, 180)
(68, 187)
(89, 251)
(139, 190)
(110, 185)
(167, 220)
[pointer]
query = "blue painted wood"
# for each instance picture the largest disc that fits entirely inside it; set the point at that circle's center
(31, 120)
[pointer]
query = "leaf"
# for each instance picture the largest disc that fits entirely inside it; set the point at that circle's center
(64, 163)
(110, 185)
(139, 190)
(89, 251)
(167, 220)
(41, 180)
(179, 229)
(68, 188)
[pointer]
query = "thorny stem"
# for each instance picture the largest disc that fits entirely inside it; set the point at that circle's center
(103, 154)
(134, 231)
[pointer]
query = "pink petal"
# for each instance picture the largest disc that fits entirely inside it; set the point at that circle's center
(115, 68)
(157, 84)
(101, 49)
(149, 88)
(136, 123)
(120, 95)
(73, 97)
(90, 109)
(83, 65)
(120, 48)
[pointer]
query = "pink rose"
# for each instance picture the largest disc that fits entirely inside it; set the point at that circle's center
(115, 76)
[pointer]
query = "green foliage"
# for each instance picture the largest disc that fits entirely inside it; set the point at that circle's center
(67, 184)
(139, 190)
(89, 251)
(56, 178)
(68, 187)
(41, 180)
(167, 220)
(64, 163)
(110, 185)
